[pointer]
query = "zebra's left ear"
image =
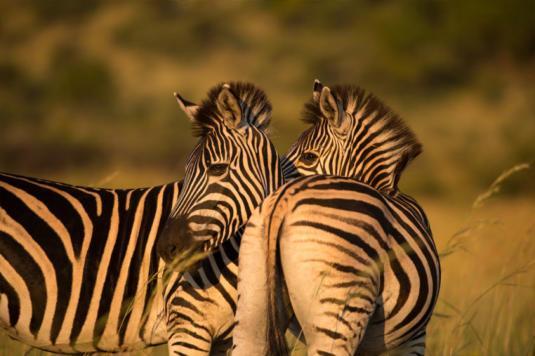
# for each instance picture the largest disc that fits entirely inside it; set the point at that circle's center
(333, 111)
(189, 108)
(229, 107)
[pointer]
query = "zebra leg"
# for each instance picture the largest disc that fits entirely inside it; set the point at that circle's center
(250, 331)
(332, 294)
(196, 319)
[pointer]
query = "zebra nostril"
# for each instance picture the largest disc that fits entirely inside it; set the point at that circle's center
(171, 250)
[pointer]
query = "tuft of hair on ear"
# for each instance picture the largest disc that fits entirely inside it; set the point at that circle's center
(255, 108)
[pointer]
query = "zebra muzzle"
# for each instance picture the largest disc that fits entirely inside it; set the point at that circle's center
(176, 239)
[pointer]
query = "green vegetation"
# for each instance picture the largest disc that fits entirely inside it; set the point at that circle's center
(86, 97)
(88, 87)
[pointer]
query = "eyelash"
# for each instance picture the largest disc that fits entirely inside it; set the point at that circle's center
(217, 169)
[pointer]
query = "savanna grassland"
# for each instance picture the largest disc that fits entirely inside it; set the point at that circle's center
(86, 98)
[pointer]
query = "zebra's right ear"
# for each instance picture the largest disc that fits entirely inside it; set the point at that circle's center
(317, 90)
(189, 108)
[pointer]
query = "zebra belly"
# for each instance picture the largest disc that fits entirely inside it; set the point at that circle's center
(24, 311)
(82, 345)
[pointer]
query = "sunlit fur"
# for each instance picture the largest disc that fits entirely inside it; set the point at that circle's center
(354, 256)
(201, 305)
(215, 208)
(78, 265)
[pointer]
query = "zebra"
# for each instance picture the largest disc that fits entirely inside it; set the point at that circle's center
(78, 265)
(79, 271)
(231, 170)
(84, 233)
(351, 254)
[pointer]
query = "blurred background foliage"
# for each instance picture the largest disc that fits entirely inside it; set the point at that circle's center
(86, 98)
(86, 86)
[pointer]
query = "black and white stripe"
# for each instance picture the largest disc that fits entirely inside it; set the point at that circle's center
(78, 265)
(231, 170)
(353, 256)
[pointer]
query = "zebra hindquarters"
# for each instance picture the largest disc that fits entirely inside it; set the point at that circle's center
(333, 286)
(252, 312)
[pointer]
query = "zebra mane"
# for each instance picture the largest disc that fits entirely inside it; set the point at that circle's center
(253, 101)
(368, 109)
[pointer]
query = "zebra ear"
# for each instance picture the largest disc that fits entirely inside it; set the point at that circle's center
(316, 92)
(189, 108)
(229, 107)
(332, 110)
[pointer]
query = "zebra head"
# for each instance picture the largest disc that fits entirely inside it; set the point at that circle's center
(353, 134)
(233, 167)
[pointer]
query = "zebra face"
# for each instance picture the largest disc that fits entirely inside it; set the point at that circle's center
(353, 134)
(232, 169)
(324, 147)
(315, 152)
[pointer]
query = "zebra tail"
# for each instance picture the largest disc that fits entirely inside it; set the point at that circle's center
(276, 327)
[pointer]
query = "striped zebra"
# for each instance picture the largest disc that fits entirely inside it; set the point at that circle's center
(96, 257)
(353, 256)
(77, 264)
(231, 170)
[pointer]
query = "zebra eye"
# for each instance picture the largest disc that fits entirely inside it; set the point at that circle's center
(308, 158)
(217, 169)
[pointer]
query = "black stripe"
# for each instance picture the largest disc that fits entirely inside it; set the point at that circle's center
(33, 277)
(189, 320)
(181, 302)
(330, 333)
(213, 277)
(351, 238)
(188, 345)
(229, 276)
(186, 331)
